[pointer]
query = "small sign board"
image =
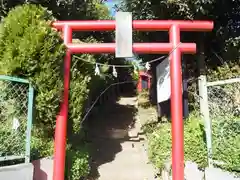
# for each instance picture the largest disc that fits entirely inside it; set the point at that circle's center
(164, 88)
(123, 35)
(163, 81)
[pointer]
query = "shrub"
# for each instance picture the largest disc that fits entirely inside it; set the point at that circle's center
(226, 143)
(41, 147)
(77, 163)
(31, 49)
(160, 143)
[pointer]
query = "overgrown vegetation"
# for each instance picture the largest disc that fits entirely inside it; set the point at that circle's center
(225, 142)
(159, 138)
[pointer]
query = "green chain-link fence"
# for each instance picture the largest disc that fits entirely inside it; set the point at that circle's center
(16, 111)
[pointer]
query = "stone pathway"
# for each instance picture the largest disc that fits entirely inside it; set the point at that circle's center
(119, 151)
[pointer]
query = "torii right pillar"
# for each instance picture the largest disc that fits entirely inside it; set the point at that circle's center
(176, 99)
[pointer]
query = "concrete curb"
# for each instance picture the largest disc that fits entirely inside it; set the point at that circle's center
(19, 172)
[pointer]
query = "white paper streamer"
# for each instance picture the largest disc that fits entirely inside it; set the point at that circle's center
(148, 66)
(114, 72)
(97, 70)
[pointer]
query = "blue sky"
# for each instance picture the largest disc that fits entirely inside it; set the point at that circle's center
(110, 4)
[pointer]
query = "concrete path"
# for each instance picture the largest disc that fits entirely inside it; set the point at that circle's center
(120, 152)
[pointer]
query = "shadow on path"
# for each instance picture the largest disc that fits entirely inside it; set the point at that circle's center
(107, 129)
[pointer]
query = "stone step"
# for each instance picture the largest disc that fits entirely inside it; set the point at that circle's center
(134, 171)
(123, 176)
(119, 135)
(140, 146)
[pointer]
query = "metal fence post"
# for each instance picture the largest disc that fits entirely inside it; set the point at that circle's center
(204, 112)
(29, 123)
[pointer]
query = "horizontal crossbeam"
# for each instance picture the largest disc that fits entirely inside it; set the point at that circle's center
(139, 48)
(139, 25)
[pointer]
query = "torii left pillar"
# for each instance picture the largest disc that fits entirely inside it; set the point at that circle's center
(175, 47)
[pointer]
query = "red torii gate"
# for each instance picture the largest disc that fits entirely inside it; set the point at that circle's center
(175, 47)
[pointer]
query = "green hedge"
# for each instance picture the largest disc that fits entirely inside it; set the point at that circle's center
(31, 49)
